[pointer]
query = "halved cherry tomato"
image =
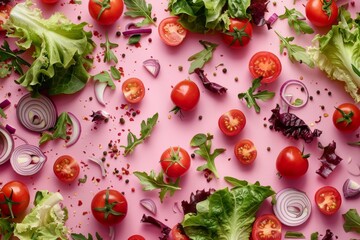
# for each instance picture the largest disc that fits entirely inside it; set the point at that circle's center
(4, 14)
(66, 168)
(136, 237)
(245, 151)
(175, 161)
(171, 32)
(177, 233)
(321, 13)
(266, 227)
(232, 122)
(14, 199)
(185, 95)
(106, 12)
(328, 200)
(346, 117)
(239, 33)
(265, 64)
(133, 90)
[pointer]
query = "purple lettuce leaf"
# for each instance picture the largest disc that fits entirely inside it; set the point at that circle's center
(165, 230)
(195, 198)
(257, 10)
(329, 160)
(211, 86)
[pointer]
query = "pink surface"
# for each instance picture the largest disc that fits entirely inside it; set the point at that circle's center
(174, 131)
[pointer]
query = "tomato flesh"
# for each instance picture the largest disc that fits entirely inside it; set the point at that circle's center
(66, 168)
(266, 227)
(133, 90)
(328, 200)
(266, 65)
(49, 1)
(19, 193)
(317, 16)
(232, 122)
(177, 233)
(291, 163)
(350, 121)
(110, 15)
(171, 31)
(4, 14)
(245, 151)
(185, 95)
(175, 161)
(136, 237)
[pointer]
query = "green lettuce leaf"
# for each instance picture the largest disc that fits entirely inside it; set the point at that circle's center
(61, 47)
(227, 214)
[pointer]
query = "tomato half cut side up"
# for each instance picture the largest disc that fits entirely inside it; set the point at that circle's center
(4, 14)
(133, 90)
(232, 122)
(266, 65)
(328, 200)
(266, 227)
(171, 31)
(245, 151)
(66, 168)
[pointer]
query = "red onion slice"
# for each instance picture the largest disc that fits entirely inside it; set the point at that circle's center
(75, 130)
(292, 207)
(101, 165)
(27, 159)
(149, 205)
(6, 145)
(36, 114)
(5, 104)
(287, 100)
(153, 66)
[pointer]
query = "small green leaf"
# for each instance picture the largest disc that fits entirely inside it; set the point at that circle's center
(83, 180)
(294, 235)
(314, 236)
(2, 113)
(5, 70)
(199, 59)
(109, 54)
(296, 21)
(134, 39)
(198, 139)
(104, 76)
(115, 73)
(352, 221)
(139, 8)
(59, 130)
(297, 102)
(236, 182)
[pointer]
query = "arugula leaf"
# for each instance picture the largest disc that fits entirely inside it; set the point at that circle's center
(352, 221)
(314, 236)
(115, 73)
(146, 129)
(2, 113)
(104, 77)
(134, 39)
(296, 21)
(6, 228)
(203, 142)
(59, 129)
(250, 97)
(236, 182)
(6, 54)
(199, 59)
(294, 235)
(295, 52)
(109, 54)
(152, 181)
(139, 8)
(76, 236)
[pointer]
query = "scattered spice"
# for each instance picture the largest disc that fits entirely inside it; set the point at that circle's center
(180, 68)
(224, 70)
(200, 117)
(318, 92)
(118, 33)
(268, 149)
(122, 121)
(193, 155)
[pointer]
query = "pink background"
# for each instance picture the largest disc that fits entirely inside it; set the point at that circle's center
(174, 131)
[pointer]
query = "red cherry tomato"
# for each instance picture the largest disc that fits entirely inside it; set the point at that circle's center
(177, 233)
(266, 227)
(265, 64)
(16, 192)
(346, 117)
(239, 33)
(109, 207)
(171, 31)
(175, 161)
(245, 151)
(66, 168)
(291, 162)
(4, 14)
(106, 15)
(232, 122)
(185, 95)
(136, 237)
(318, 16)
(133, 90)
(49, 1)
(328, 200)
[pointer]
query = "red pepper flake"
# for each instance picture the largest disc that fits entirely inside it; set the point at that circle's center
(80, 203)
(85, 213)
(132, 189)
(97, 180)
(96, 33)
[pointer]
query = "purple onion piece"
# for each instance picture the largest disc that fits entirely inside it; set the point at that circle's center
(211, 86)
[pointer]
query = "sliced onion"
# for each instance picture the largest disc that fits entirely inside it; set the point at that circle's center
(76, 130)
(353, 167)
(292, 207)
(99, 88)
(36, 114)
(153, 66)
(351, 189)
(4, 104)
(100, 163)
(149, 205)
(137, 31)
(27, 159)
(6, 145)
(284, 95)
(271, 20)
(10, 129)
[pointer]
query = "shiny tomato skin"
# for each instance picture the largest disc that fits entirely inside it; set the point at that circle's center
(232, 122)
(121, 207)
(328, 200)
(175, 161)
(185, 95)
(20, 194)
(347, 108)
(136, 237)
(4, 14)
(171, 32)
(110, 15)
(66, 168)
(265, 64)
(49, 1)
(133, 90)
(243, 26)
(291, 163)
(176, 233)
(245, 151)
(317, 16)
(266, 227)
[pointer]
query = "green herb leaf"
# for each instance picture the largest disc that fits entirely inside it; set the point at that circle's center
(205, 152)
(134, 39)
(314, 236)
(2, 113)
(296, 21)
(104, 77)
(79, 236)
(139, 8)
(59, 129)
(199, 59)
(297, 102)
(238, 8)
(83, 180)
(236, 182)
(250, 97)
(294, 235)
(109, 54)
(152, 181)
(6, 228)
(295, 52)
(352, 221)
(146, 129)
(6, 54)
(5, 70)
(115, 73)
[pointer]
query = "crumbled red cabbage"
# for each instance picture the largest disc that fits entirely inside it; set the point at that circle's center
(99, 116)
(199, 196)
(329, 159)
(257, 10)
(165, 230)
(211, 86)
(292, 126)
(328, 235)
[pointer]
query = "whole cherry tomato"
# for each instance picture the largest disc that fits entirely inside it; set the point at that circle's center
(292, 163)
(321, 13)
(346, 117)
(106, 12)
(239, 33)
(14, 198)
(175, 161)
(185, 95)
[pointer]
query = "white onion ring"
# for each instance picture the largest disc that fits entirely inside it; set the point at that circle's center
(285, 97)
(292, 207)
(27, 159)
(36, 114)
(6, 145)
(76, 130)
